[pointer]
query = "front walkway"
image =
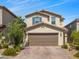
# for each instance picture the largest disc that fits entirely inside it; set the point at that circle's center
(43, 52)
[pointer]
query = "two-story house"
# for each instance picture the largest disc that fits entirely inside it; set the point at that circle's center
(6, 16)
(45, 28)
(72, 26)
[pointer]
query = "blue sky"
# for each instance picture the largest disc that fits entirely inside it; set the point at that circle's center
(69, 9)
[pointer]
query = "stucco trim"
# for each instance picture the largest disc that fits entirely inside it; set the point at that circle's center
(51, 13)
(48, 25)
(36, 13)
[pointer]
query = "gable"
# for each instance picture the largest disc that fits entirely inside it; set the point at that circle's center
(50, 13)
(43, 29)
(36, 13)
(46, 18)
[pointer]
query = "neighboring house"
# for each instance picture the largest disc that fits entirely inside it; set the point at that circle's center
(45, 28)
(6, 16)
(73, 26)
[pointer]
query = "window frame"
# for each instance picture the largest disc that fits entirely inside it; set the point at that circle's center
(53, 21)
(34, 20)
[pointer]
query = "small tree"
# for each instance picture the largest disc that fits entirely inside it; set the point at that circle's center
(75, 37)
(16, 31)
(0, 37)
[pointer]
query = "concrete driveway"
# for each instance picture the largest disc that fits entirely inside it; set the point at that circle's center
(43, 52)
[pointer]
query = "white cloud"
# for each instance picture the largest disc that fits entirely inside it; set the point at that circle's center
(58, 4)
(21, 5)
(26, 5)
(13, 0)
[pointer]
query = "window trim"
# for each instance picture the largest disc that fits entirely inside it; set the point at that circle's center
(53, 20)
(33, 20)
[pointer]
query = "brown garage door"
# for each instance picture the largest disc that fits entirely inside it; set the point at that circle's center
(49, 39)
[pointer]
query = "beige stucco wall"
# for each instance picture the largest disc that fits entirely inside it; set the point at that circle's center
(58, 23)
(45, 20)
(48, 30)
(44, 29)
(29, 20)
(77, 26)
(0, 16)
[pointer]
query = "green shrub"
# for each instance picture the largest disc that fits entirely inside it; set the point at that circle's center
(70, 44)
(77, 47)
(64, 46)
(10, 52)
(77, 55)
(0, 46)
(5, 45)
(20, 47)
(17, 49)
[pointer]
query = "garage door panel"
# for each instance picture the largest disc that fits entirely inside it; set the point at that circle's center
(42, 40)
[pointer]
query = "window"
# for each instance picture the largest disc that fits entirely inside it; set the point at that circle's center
(36, 20)
(53, 20)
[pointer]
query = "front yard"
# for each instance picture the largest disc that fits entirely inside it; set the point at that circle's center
(12, 45)
(71, 53)
(42, 52)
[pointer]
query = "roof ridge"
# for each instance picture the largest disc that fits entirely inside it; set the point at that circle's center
(44, 12)
(36, 12)
(49, 11)
(77, 19)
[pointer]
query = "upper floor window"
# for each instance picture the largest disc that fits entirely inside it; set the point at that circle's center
(36, 20)
(53, 20)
